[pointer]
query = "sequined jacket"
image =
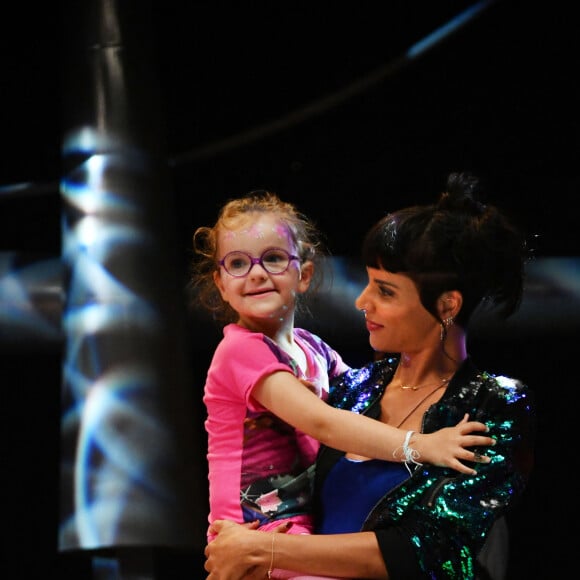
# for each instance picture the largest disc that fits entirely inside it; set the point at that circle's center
(434, 524)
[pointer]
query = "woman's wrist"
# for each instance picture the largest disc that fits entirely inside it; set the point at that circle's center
(262, 549)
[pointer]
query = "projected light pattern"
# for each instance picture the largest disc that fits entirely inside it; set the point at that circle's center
(30, 300)
(118, 472)
(449, 28)
(108, 499)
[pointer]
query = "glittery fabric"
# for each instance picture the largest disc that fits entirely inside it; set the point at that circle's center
(442, 517)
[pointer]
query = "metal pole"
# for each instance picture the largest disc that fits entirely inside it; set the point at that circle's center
(132, 474)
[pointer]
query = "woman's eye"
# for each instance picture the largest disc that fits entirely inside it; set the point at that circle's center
(385, 291)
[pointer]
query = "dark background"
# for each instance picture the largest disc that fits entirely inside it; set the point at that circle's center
(499, 97)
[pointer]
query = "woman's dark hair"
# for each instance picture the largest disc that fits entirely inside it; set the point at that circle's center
(457, 243)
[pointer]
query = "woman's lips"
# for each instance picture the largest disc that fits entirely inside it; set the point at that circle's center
(372, 325)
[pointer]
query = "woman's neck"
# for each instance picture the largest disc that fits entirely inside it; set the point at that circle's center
(422, 368)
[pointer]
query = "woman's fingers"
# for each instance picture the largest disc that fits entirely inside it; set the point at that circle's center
(283, 527)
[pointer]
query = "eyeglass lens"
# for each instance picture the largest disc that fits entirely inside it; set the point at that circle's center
(273, 260)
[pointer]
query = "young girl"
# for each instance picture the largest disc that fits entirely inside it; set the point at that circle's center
(267, 382)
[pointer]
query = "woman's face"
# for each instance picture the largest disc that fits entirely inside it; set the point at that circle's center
(395, 318)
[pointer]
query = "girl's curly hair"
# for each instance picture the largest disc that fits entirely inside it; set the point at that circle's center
(305, 235)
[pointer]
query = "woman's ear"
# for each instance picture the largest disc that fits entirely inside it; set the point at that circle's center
(450, 304)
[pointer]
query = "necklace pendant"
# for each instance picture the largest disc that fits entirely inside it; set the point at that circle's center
(409, 387)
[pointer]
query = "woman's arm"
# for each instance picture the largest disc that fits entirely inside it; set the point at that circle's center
(238, 552)
(284, 395)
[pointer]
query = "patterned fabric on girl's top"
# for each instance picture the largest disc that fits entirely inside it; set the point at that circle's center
(259, 463)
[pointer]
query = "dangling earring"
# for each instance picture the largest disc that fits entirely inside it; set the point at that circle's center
(447, 322)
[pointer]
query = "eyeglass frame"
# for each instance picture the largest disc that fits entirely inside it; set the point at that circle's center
(260, 260)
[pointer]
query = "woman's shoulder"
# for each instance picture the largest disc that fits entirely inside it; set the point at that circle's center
(498, 397)
(475, 380)
(505, 387)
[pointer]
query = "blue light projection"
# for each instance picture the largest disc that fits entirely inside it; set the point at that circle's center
(122, 475)
(30, 300)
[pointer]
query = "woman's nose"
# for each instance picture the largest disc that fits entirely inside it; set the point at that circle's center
(360, 302)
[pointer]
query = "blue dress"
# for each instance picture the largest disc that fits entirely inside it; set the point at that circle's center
(344, 508)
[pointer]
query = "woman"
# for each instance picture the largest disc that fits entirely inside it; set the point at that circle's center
(429, 268)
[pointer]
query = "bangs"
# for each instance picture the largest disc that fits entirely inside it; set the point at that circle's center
(382, 247)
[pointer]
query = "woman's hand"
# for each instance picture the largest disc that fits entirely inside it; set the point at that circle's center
(229, 554)
(448, 446)
(239, 551)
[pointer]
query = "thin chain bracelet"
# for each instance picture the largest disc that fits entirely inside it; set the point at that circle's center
(270, 569)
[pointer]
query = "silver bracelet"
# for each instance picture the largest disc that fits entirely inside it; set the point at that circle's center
(411, 455)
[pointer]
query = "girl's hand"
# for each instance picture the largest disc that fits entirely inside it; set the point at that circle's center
(448, 446)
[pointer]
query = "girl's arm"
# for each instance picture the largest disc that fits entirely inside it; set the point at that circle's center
(238, 552)
(285, 396)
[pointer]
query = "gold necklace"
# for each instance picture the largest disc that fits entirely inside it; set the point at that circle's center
(417, 387)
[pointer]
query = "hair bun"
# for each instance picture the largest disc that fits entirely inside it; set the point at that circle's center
(462, 193)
